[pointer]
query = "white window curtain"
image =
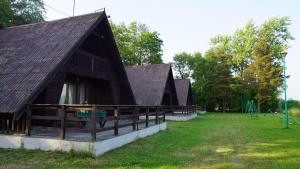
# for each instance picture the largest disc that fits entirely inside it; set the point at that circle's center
(72, 94)
(63, 95)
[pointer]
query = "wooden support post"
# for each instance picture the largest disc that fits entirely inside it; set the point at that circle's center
(134, 119)
(94, 123)
(13, 127)
(0, 122)
(62, 122)
(116, 122)
(3, 123)
(28, 120)
(23, 123)
(18, 125)
(137, 117)
(9, 124)
(164, 116)
(147, 116)
(156, 115)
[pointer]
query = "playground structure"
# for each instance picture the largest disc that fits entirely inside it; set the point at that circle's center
(251, 108)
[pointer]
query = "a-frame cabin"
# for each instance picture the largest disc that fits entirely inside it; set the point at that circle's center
(68, 61)
(184, 91)
(153, 85)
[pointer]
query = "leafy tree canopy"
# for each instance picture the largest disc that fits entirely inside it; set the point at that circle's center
(245, 65)
(137, 43)
(18, 12)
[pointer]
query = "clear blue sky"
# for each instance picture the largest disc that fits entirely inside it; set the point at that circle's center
(188, 25)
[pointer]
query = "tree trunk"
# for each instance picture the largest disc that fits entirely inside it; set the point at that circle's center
(258, 106)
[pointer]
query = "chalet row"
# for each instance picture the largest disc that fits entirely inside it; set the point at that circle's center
(76, 61)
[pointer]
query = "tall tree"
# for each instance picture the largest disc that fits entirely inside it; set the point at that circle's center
(221, 79)
(137, 44)
(18, 12)
(265, 73)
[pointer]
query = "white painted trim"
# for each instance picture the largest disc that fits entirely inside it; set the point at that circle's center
(180, 117)
(96, 148)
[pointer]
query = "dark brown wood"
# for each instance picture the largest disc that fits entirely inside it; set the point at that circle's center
(94, 123)
(9, 125)
(156, 115)
(62, 123)
(18, 126)
(23, 123)
(35, 117)
(42, 128)
(116, 122)
(147, 117)
(134, 119)
(3, 124)
(28, 120)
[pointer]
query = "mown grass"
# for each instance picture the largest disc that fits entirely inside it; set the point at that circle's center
(210, 141)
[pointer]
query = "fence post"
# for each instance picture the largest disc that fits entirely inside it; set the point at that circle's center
(94, 122)
(62, 122)
(116, 122)
(147, 116)
(156, 115)
(3, 123)
(134, 119)
(28, 120)
(164, 116)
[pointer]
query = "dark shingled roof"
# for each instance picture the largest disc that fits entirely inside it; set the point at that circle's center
(148, 82)
(183, 90)
(30, 53)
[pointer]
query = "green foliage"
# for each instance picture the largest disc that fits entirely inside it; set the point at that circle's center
(18, 12)
(5, 13)
(293, 107)
(137, 44)
(245, 65)
(265, 72)
(183, 65)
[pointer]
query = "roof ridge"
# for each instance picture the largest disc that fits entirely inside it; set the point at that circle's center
(144, 65)
(55, 20)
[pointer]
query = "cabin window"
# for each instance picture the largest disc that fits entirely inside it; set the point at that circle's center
(82, 93)
(73, 93)
(63, 96)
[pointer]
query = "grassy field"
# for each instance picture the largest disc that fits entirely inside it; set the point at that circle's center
(211, 141)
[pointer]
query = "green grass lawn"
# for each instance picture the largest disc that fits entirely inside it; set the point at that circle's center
(210, 141)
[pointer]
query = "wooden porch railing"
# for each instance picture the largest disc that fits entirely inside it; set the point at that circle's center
(61, 117)
(119, 112)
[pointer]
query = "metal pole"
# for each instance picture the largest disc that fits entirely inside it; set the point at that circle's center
(285, 97)
(74, 7)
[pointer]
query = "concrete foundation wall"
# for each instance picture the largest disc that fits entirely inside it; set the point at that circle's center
(180, 117)
(96, 148)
